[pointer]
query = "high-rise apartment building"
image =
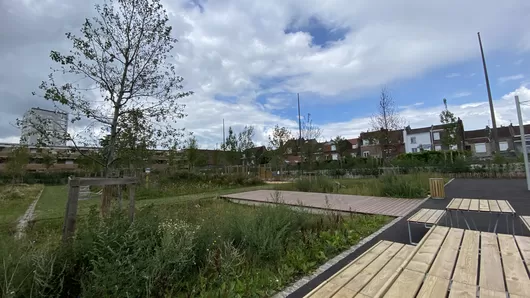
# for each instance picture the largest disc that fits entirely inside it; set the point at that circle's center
(37, 121)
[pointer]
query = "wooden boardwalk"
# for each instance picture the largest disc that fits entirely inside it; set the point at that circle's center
(347, 203)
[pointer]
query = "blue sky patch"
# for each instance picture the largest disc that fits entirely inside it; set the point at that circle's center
(322, 35)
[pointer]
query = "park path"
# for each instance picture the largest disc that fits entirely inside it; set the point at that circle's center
(27, 217)
(336, 202)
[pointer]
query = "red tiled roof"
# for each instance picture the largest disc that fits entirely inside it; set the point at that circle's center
(353, 141)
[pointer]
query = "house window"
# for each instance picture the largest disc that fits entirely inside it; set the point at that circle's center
(413, 140)
(354, 146)
(366, 142)
(480, 148)
(334, 156)
(333, 148)
(503, 146)
(353, 154)
(436, 136)
(437, 148)
(289, 150)
(414, 150)
(366, 153)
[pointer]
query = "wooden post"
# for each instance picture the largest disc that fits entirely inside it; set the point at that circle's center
(131, 202)
(70, 216)
(436, 186)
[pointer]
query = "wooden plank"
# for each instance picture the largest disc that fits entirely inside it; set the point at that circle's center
(390, 268)
(485, 293)
(417, 215)
(505, 206)
(491, 276)
(356, 284)
(70, 217)
(465, 204)
(338, 280)
(494, 207)
(473, 205)
(517, 279)
(424, 257)
(526, 220)
(483, 206)
(390, 280)
(406, 285)
(433, 287)
(427, 215)
(467, 264)
(454, 204)
(132, 208)
(460, 290)
(446, 259)
(435, 217)
(524, 248)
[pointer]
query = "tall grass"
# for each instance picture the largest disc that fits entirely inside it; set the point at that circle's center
(195, 249)
(388, 185)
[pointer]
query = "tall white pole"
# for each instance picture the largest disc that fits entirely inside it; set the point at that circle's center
(523, 141)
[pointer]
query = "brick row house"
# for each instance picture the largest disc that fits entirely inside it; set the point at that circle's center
(431, 138)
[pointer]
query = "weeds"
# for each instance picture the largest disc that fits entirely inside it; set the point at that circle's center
(211, 249)
(387, 185)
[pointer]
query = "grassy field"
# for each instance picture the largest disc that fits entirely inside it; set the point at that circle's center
(192, 245)
(14, 200)
(400, 186)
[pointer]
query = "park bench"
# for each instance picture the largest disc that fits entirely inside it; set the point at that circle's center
(525, 219)
(426, 217)
(448, 262)
(367, 273)
(451, 262)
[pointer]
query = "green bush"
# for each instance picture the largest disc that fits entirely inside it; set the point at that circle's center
(215, 249)
(316, 184)
(403, 186)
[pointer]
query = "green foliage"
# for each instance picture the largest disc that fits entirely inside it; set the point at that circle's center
(315, 184)
(388, 185)
(182, 183)
(125, 53)
(215, 249)
(17, 161)
(449, 137)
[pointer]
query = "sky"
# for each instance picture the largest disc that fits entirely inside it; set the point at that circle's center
(247, 60)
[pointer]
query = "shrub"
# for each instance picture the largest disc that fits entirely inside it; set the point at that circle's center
(405, 186)
(317, 184)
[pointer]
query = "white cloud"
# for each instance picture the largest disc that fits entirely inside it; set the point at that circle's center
(234, 46)
(452, 75)
(412, 105)
(511, 78)
(518, 62)
(461, 94)
(475, 115)
(472, 74)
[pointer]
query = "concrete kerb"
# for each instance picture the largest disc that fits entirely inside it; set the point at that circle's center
(28, 216)
(304, 280)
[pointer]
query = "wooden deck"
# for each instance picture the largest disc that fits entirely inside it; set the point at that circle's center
(448, 262)
(346, 203)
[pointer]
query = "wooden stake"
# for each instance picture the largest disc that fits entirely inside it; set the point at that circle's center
(70, 216)
(131, 202)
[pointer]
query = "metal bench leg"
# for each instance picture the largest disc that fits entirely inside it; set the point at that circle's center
(410, 234)
(513, 224)
(465, 220)
(496, 223)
